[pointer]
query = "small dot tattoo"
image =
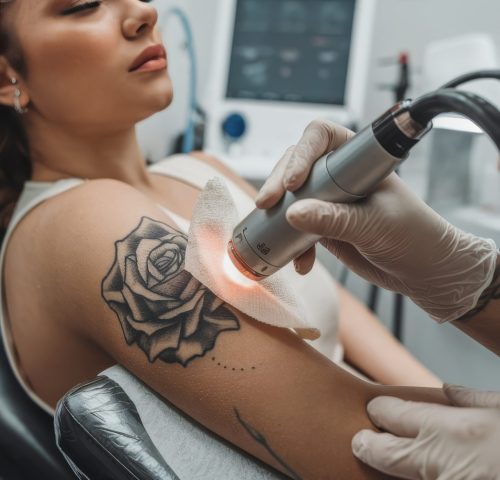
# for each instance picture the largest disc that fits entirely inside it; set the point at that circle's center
(219, 364)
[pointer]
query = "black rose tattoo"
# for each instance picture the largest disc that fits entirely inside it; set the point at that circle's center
(161, 307)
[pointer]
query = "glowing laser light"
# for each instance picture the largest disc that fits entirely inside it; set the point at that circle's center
(234, 274)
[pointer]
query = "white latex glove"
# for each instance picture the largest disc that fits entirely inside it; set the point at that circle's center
(427, 441)
(392, 238)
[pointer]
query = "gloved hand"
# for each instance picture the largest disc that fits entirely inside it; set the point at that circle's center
(392, 238)
(427, 441)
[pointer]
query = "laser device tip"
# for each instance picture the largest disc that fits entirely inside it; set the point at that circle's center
(239, 265)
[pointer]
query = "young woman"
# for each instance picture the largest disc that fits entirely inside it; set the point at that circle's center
(93, 258)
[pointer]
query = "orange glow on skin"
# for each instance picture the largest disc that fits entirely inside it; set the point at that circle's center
(233, 274)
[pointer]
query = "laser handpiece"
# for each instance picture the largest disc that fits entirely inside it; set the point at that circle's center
(264, 241)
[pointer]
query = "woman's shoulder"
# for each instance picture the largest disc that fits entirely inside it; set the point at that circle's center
(62, 207)
(35, 233)
(87, 205)
(64, 221)
(71, 237)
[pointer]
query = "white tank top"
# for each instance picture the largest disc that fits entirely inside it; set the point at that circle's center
(318, 289)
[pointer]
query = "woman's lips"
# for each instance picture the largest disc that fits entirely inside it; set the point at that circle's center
(152, 58)
(152, 65)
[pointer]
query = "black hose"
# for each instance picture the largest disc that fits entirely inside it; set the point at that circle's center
(398, 317)
(469, 77)
(470, 105)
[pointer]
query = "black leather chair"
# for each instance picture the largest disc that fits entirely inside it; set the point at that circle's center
(102, 436)
(110, 446)
(27, 442)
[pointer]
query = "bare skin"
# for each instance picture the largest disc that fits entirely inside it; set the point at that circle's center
(372, 349)
(81, 123)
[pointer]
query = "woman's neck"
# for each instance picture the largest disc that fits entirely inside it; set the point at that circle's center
(57, 155)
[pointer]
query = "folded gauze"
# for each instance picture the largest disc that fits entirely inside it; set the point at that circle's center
(272, 300)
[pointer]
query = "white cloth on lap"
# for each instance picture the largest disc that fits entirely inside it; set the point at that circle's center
(192, 451)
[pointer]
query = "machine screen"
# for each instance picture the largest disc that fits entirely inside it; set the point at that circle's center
(291, 50)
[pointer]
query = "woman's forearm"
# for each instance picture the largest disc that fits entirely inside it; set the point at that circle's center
(261, 388)
(295, 411)
(371, 348)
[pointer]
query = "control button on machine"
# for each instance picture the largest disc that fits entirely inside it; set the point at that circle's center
(234, 126)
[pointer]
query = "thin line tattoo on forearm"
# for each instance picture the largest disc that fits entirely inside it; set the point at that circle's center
(491, 293)
(259, 438)
(161, 307)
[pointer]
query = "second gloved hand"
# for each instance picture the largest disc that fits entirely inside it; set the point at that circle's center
(392, 238)
(429, 442)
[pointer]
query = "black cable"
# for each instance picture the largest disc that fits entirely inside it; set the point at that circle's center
(470, 105)
(373, 298)
(343, 276)
(398, 316)
(469, 77)
(448, 100)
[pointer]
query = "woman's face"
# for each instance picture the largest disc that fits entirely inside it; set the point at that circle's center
(78, 63)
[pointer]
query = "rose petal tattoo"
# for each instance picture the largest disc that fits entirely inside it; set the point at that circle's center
(161, 307)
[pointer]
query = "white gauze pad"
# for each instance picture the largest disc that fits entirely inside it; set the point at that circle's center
(272, 300)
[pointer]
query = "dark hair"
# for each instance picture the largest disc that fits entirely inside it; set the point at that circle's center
(15, 164)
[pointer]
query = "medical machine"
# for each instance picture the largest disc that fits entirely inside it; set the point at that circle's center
(279, 65)
(264, 241)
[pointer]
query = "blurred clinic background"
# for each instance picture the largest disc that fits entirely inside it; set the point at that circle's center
(249, 75)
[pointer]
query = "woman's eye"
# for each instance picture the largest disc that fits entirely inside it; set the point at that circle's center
(89, 5)
(81, 7)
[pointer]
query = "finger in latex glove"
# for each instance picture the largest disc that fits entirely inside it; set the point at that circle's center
(430, 442)
(274, 187)
(290, 173)
(468, 397)
(305, 262)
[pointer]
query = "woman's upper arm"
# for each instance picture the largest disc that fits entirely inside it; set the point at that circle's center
(117, 275)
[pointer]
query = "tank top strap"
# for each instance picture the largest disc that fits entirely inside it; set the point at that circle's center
(186, 168)
(34, 193)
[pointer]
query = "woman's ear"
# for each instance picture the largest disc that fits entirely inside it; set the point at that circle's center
(10, 85)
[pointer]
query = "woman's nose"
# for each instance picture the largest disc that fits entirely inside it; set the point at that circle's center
(140, 18)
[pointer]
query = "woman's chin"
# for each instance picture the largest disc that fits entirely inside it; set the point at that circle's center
(157, 103)
(165, 103)
(152, 111)
(168, 99)
(165, 96)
